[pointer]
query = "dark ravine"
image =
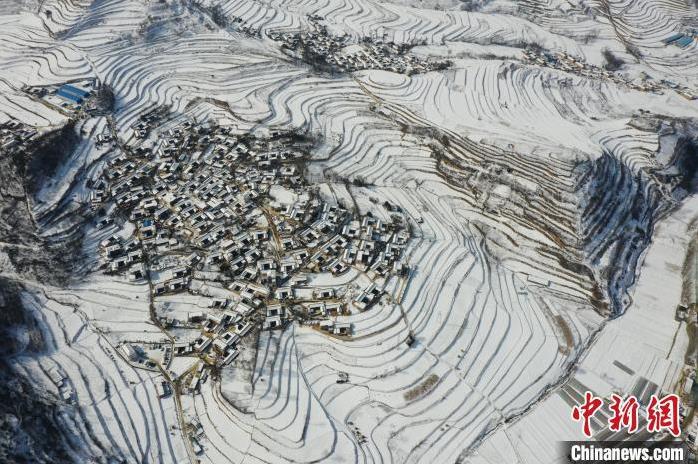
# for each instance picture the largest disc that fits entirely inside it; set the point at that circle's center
(615, 206)
(32, 428)
(43, 156)
(620, 208)
(21, 174)
(30, 431)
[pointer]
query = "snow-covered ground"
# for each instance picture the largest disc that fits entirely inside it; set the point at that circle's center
(532, 193)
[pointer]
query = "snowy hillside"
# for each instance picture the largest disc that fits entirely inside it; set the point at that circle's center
(343, 230)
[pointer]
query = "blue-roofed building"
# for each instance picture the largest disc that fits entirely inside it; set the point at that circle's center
(684, 41)
(69, 96)
(72, 94)
(75, 91)
(672, 38)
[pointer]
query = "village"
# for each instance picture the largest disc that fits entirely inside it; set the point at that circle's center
(193, 204)
(568, 63)
(336, 54)
(15, 136)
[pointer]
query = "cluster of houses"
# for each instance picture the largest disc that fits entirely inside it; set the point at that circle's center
(242, 26)
(194, 203)
(142, 127)
(15, 136)
(568, 63)
(336, 54)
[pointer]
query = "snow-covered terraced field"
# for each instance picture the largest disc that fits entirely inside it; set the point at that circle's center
(533, 196)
